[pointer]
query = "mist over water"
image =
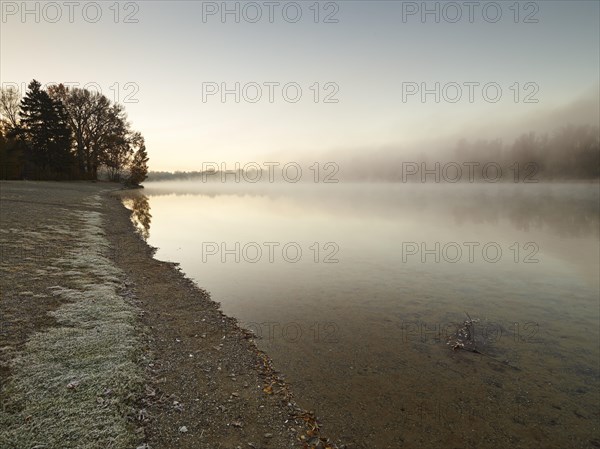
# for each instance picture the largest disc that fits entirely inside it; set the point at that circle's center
(400, 199)
(356, 289)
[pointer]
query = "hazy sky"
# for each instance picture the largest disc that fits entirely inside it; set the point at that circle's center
(372, 57)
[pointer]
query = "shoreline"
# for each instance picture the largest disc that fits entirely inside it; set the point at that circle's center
(204, 383)
(246, 362)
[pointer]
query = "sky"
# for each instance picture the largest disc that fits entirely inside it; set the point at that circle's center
(333, 77)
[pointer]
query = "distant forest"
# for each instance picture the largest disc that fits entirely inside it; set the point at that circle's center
(67, 133)
(569, 153)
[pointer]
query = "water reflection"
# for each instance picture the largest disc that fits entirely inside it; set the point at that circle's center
(363, 340)
(140, 212)
(563, 210)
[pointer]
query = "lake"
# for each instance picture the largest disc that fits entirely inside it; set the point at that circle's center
(360, 292)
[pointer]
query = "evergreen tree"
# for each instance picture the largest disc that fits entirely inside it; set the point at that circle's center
(44, 126)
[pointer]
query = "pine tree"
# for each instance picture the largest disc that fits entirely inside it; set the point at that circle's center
(44, 125)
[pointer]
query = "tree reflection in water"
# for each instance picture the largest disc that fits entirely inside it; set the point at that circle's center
(140, 216)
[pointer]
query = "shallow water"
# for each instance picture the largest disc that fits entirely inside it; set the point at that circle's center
(356, 291)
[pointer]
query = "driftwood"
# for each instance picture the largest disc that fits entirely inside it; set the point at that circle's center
(464, 340)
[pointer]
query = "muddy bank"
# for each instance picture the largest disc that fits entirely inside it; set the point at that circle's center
(181, 374)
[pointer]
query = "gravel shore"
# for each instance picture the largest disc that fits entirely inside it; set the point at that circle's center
(103, 346)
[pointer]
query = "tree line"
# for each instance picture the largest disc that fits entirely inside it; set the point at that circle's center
(569, 153)
(64, 133)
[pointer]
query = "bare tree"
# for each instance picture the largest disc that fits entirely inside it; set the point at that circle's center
(10, 105)
(98, 125)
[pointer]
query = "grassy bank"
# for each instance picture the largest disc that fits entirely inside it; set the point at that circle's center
(71, 384)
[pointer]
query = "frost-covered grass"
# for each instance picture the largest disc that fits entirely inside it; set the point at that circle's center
(72, 385)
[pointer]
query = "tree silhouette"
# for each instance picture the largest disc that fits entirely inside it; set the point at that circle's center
(10, 105)
(67, 133)
(138, 171)
(44, 127)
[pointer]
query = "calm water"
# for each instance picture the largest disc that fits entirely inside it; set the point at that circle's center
(355, 289)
